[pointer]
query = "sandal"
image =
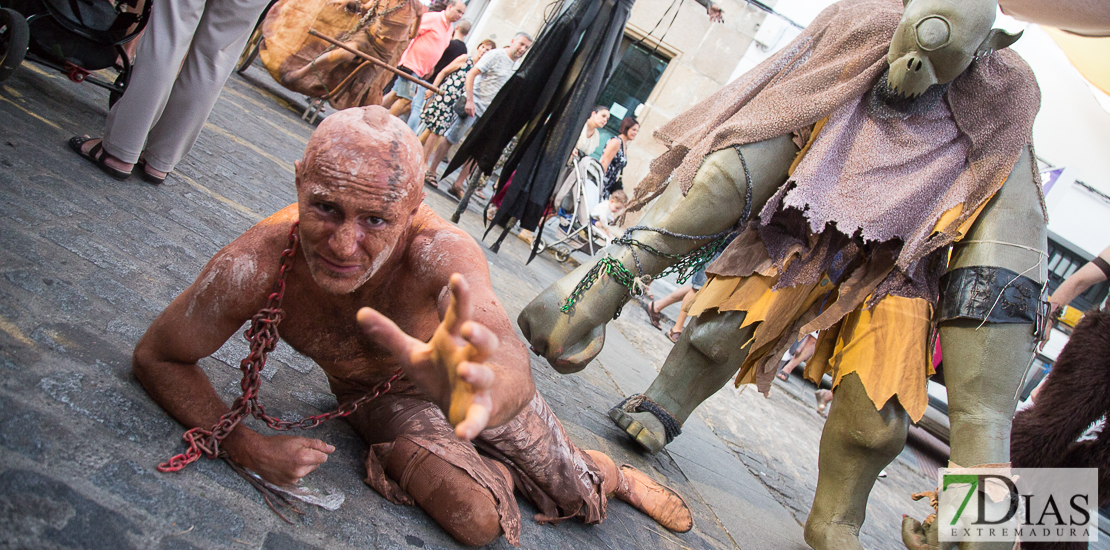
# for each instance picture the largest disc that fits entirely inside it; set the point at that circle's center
(674, 335)
(653, 316)
(98, 156)
(782, 376)
(151, 178)
(430, 178)
(457, 193)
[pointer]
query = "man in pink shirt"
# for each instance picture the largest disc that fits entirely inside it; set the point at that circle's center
(420, 58)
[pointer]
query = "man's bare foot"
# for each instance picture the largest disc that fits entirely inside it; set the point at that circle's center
(642, 427)
(655, 500)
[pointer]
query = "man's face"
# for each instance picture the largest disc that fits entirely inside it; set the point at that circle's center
(355, 203)
(455, 11)
(518, 47)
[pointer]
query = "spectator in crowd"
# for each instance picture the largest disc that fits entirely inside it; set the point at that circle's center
(438, 113)
(421, 56)
(481, 86)
(805, 350)
(590, 137)
(606, 212)
(455, 53)
(614, 158)
(185, 55)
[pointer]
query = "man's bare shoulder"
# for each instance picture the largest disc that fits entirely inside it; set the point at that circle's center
(440, 248)
(243, 271)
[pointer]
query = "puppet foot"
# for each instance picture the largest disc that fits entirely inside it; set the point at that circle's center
(920, 536)
(656, 501)
(832, 536)
(643, 427)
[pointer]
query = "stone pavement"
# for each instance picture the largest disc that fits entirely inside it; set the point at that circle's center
(87, 262)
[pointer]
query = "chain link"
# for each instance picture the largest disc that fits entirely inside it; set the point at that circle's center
(263, 337)
(685, 264)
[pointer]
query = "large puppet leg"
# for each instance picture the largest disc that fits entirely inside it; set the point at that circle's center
(856, 444)
(727, 183)
(705, 357)
(988, 343)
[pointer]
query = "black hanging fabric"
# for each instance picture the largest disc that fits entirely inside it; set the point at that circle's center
(550, 97)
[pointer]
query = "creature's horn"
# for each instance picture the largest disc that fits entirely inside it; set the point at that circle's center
(997, 40)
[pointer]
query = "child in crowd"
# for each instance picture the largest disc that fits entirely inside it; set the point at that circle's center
(606, 212)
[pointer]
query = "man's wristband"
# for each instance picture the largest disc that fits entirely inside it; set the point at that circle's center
(1103, 265)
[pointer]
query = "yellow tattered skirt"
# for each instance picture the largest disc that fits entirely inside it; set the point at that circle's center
(887, 346)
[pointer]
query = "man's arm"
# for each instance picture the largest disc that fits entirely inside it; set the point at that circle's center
(470, 76)
(195, 325)
(474, 367)
(1078, 283)
(512, 386)
(1092, 273)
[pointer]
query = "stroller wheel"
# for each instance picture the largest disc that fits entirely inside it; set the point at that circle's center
(540, 245)
(14, 35)
(562, 253)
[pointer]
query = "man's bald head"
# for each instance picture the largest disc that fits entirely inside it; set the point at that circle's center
(367, 146)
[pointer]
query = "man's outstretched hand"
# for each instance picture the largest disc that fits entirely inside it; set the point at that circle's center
(451, 367)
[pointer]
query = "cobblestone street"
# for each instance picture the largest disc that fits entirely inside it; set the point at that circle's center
(87, 262)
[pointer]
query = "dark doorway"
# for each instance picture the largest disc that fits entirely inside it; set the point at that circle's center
(636, 76)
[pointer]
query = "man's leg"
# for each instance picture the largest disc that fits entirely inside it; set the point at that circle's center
(459, 187)
(161, 50)
(389, 99)
(418, 101)
(220, 36)
(680, 319)
(655, 307)
(400, 108)
(413, 444)
(562, 480)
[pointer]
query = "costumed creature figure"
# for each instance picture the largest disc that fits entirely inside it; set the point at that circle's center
(851, 162)
(545, 104)
(549, 97)
(309, 65)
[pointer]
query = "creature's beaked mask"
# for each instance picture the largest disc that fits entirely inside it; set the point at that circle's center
(937, 40)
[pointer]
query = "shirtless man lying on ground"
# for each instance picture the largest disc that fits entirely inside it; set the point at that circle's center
(366, 239)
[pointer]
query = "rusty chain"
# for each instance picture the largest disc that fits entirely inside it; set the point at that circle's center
(263, 337)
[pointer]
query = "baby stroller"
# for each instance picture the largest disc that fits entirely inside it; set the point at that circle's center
(573, 202)
(76, 37)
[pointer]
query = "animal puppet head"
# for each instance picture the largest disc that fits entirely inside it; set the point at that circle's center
(938, 39)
